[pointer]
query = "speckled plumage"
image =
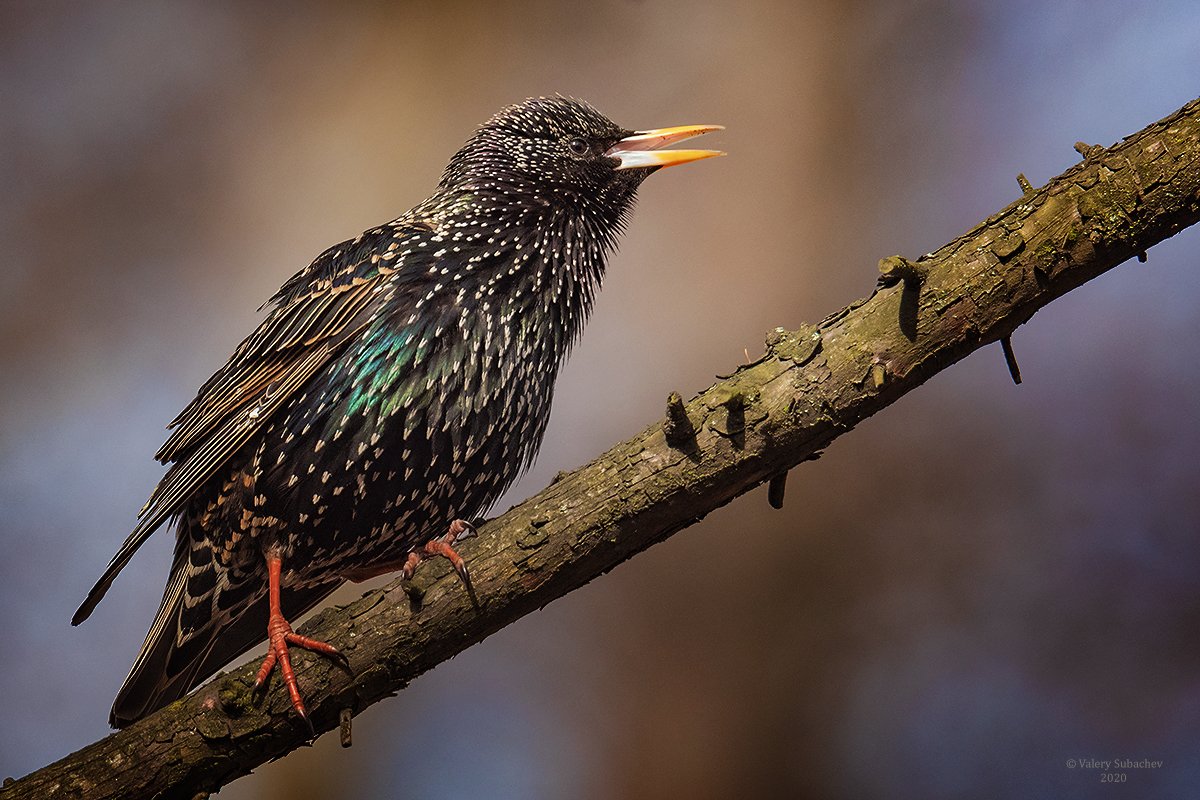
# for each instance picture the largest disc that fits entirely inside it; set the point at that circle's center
(400, 381)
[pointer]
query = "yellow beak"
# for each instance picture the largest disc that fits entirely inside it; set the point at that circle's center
(642, 149)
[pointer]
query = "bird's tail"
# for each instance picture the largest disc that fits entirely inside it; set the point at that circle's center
(196, 633)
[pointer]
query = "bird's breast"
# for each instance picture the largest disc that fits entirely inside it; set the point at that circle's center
(413, 426)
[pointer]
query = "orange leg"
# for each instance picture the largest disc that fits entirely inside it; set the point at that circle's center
(438, 546)
(280, 635)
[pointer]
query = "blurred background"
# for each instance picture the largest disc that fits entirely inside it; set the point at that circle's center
(978, 585)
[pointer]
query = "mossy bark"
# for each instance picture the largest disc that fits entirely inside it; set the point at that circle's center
(812, 385)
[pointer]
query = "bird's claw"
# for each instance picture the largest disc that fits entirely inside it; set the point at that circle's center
(443, 546)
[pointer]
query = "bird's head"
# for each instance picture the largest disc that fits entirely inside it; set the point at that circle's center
(562, 154)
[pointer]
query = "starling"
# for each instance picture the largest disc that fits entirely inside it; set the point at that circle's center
(400, 383)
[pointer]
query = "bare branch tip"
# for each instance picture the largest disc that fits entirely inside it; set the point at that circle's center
(894, 269)
(678, 428)
(878, 375)
(775, 490)
(1010, 358)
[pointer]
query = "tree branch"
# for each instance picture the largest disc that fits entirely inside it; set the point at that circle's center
(811, 386)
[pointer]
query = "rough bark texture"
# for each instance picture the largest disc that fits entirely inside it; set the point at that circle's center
(812, 385)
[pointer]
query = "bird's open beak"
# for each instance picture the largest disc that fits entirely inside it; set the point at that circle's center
(643, 148)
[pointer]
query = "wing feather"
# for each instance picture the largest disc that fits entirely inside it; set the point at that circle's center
(263, 357)
(317, 311)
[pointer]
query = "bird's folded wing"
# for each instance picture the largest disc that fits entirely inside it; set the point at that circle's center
(316, 313)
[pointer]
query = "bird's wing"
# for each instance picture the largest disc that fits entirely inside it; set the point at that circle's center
(316, 312)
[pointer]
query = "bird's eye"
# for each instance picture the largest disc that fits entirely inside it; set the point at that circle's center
(578, 146)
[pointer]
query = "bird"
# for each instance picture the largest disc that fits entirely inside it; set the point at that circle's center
(396, 387)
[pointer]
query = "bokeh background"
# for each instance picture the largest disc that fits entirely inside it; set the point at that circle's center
(978, 585)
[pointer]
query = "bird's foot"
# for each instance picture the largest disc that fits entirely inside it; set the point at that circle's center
(439, 546)
(443, 546)
(280, 635)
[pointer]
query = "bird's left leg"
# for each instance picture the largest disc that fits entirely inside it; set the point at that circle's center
(438, 546)
(444, 546)
(280, 635)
